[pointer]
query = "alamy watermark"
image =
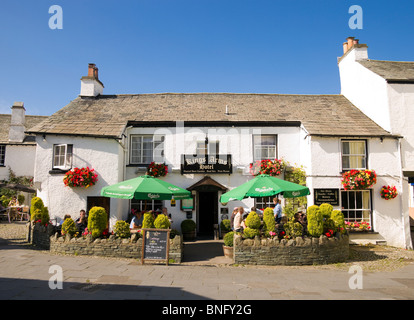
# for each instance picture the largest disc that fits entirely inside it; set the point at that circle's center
(56, 280)
(355, 281)
(356, 21)
(56, 20)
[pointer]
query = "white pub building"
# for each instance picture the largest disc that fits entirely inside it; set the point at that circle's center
(367, 126)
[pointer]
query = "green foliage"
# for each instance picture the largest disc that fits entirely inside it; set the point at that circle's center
(250, 233)
(20, 198)
(329, 224)
(69, 227)
(188, 225)
(293, 229)
(5, 200)
(173, 233)
(228, 239)
(295, 175)
(38, 211)
(148, 221)
(97, 221)
(315, 221)
(121, 229)
(253, 221)
(162, 222)
(225, 225)
(326, 210)
(339, 220)
(269, 220)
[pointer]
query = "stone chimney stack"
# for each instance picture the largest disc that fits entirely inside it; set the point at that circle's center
(90, 84)
(17, 124)
(360, 51)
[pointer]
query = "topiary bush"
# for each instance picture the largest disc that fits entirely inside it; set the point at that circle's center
(188, 225)
(250, 233)
(339, 220)
(315, 221)
(269, 220)
(162, 222)
(97, 221)
(228, 239)
(38, 212)
(121, 229)
(69, 227)
(148, 221)
(326, 210)
(36, 203)
(225, 225)
(253, 221)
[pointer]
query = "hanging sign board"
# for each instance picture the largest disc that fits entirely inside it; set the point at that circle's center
(330, 196)
(155, 245)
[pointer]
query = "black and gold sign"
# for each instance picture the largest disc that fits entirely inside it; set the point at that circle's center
(330, 196)
(206, 164)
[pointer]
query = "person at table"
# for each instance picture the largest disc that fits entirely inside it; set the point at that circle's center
(238, 218)
(136, 222)
(14, 202)
(277, 210)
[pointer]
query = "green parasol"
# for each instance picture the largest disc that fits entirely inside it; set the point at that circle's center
(265, 185)
(145, 188)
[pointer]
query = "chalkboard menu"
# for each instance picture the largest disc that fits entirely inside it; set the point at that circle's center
(330, 196)
(155, 245)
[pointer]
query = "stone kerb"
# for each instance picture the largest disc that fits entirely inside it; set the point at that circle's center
(293, 252)
(110, 247)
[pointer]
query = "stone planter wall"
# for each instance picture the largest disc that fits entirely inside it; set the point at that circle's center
(111, 247)
(299, 251)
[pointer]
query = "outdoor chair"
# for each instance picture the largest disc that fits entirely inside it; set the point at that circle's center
(24, 214)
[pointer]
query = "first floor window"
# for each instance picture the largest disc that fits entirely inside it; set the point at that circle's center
(62, 156)
(356, 205)
(142, 205)
(145, 149)
(354, 154)
(264, 147)
(2, 155)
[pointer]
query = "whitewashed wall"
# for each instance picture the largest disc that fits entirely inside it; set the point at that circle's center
(21, 159)
(103, 155)
(383, 157)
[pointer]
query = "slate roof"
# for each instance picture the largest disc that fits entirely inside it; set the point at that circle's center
(398, 71)
(108, 115)
(5, 127)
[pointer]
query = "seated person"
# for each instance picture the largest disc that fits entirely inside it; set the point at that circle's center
(136, 222)
(14, 202)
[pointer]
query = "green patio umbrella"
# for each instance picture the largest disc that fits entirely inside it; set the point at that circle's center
(145, 188)
(265, 185)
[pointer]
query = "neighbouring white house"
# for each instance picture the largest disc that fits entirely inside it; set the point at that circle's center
(120, 135)
(17, 149)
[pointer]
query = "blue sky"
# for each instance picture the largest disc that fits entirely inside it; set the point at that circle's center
(150, 46)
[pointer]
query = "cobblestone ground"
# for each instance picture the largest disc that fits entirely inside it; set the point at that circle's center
(371, 258)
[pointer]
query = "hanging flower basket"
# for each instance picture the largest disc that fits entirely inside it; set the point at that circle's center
(157, 169)
(83, 177)
(358, 179)
(388, 192)
(270, 167)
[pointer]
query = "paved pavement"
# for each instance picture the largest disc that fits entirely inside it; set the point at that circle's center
(26, 274)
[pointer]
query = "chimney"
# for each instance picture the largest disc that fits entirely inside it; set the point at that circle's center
(361, 49)
(17, 128)
(90, 84)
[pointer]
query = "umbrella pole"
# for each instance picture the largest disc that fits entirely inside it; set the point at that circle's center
(145, 207)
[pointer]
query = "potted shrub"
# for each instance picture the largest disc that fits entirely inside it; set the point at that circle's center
(188, 228)
(162, 222)
(228, 244)
(224, 227)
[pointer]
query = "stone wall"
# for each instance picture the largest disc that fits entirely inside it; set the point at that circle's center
(299, 251)
(110, 247)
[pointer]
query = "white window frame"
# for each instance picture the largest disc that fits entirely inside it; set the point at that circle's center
(67, 157)
(260, 147)
(150, 204)
(361, 214)
(365, 155)
(202, 148)
(157, 142)
(2, 155)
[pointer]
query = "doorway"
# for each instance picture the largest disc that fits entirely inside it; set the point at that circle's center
(207, 212)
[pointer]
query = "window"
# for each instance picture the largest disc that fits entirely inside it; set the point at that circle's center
(354, 154)
(356, 205)
(140, 205)
(146, 149)
(264, 147)
(62, 156)
(2, 155)
(204, 148)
